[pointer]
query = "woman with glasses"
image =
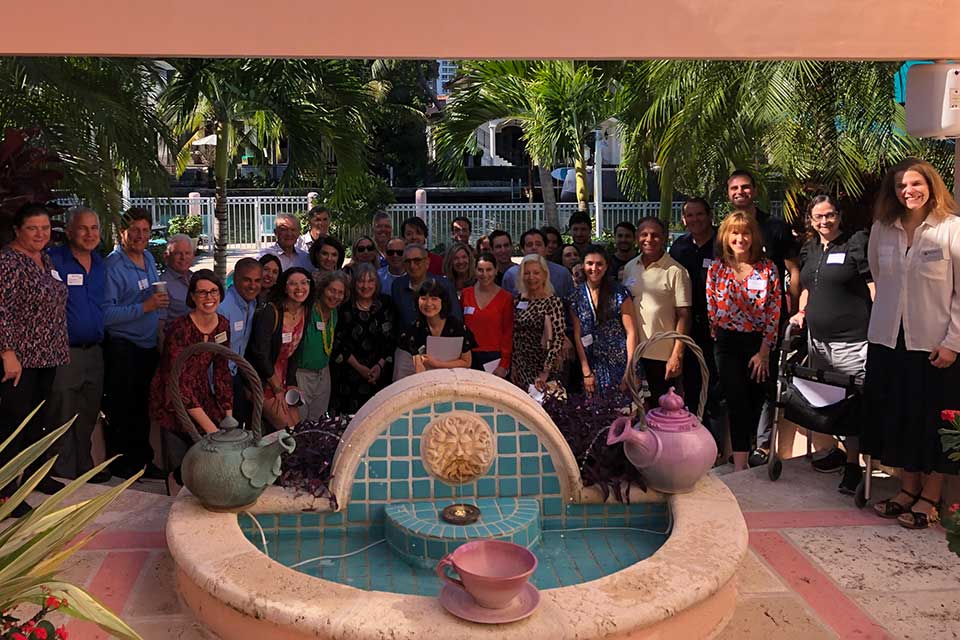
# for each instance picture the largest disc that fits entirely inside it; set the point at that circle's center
(459, 267)
(207, 399)
(364, 251)
(365, 343)
(837, 292)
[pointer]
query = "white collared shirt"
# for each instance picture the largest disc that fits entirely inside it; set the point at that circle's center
(919, 288)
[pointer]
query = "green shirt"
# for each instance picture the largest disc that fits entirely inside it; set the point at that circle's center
(317, 341)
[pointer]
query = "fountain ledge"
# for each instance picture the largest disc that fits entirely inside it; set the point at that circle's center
(685, 589)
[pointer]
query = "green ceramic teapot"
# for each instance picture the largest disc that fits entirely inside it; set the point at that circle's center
(228, 469)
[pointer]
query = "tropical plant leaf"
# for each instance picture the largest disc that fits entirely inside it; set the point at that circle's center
(82, 605)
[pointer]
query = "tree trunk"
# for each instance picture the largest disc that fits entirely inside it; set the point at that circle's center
(220, 168)
(550, 212)
(583, 195)
(666, 195)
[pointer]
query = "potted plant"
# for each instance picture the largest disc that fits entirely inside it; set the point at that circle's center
(188, 225)
(34, 547)
(950, 438)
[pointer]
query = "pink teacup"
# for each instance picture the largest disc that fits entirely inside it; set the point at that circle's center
(492, 571)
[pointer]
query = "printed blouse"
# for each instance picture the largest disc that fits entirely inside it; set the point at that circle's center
(33, 311)
(747, 305)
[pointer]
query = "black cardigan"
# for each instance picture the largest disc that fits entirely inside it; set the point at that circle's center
(265, 341)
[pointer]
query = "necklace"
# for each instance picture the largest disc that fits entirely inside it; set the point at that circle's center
(327, 331)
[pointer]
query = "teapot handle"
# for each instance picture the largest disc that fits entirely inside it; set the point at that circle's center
(635, 382)
(176, 398)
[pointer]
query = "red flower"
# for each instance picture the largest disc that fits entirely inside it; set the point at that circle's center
(51, 602)
(955, 507)
(18, 636)
(61, 633)
(949, 415)
(40, 633)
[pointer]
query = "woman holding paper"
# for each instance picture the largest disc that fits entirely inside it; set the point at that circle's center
(743, 306)
(603, 327)
(914, 334)
(538, 327)
(276, 334)
(835, 307)
(434, 321)
(488, 313)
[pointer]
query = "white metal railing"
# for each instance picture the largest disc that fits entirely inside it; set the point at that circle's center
(250, 219)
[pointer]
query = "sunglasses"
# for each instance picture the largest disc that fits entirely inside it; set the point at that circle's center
(364, 248)
(394, 252)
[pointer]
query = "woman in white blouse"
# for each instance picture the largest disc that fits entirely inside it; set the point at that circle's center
(914, 335)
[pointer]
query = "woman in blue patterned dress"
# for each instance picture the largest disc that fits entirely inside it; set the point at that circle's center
(603, 328)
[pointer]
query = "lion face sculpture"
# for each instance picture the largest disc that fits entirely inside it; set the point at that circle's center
(457, 448)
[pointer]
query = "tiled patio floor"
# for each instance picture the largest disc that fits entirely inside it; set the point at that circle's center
(817, 567)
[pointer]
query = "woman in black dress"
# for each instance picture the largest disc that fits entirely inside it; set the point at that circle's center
(434, 319)
(364, 345)
(914, 335)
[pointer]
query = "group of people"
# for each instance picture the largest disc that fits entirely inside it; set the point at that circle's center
(86, 333)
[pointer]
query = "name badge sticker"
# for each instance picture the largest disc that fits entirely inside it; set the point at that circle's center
(586, 340)
(56, 275)
(630, 282)
(469, 311)
(143, 284)
(523, 304)
(238, 325)
(220, 338)
(756, 283)
(74, 279)
(286, 337)
(932, 255)
(321, 325)
(836, 258)
(707, 262)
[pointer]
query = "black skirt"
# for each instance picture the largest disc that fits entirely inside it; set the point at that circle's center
(903, 397)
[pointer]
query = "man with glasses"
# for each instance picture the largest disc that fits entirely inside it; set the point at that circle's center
(287, 231)
(414, 231)
(319, 218)
(404, 288)
(394, 268)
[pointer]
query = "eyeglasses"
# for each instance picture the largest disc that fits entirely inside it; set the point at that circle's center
(413, 260)
(206, 293)
(364, 248)
(394, 252)
(820, 217)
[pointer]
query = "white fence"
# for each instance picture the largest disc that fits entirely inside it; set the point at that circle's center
(250, 219)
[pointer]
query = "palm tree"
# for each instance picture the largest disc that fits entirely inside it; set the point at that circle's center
(96, 115)
(557, 103)
(316, 105)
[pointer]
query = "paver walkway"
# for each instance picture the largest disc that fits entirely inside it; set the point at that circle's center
(817, 567)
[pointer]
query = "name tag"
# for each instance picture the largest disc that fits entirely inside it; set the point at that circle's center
(220, 338)
(523, 304)
(74, 279)
(56, 275)
(756, 284)
(836, 258)
(286, 338)
(707, 262)
(142, 283)
(586, 340)
(469, 311)
(321, 325)
(238, 325)
(932, 255)
(630, 282)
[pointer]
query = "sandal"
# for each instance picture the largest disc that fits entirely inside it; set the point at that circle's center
(918, 520)
(891, 509)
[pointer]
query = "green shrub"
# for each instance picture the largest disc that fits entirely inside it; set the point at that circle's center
(189, 225)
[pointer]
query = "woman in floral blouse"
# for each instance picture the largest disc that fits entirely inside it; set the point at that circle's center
(538, 327)
(33, 332)
(207, 405)
(743, 306)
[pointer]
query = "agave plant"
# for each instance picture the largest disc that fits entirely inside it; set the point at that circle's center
(34, 548)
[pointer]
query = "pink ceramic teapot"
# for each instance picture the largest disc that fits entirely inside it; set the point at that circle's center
(669, 446)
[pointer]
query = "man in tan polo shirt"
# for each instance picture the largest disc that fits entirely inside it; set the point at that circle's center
(662, 299)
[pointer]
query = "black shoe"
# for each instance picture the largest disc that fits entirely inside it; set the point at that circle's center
(21, 510)
(852, 475)
(101, 477)
(153, 472)
(49, 486)
(832, 462)
(758, 458)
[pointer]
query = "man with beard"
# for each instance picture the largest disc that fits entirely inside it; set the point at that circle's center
(625, 248)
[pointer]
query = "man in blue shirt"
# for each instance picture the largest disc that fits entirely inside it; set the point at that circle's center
(533, 241)
(394, 268)
(404, 290)
(78, 385)
(237, 307)
(179, 257)
(287, 231)
(130, 310)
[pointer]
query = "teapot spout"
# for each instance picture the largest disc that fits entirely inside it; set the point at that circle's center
(640, 446)
(261, 463)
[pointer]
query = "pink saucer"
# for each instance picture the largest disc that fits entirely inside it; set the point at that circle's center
(461, 604)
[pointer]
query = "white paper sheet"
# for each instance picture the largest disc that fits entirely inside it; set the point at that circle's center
(819, 394)
(535, 393)
(491, 366)
(440, 348)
